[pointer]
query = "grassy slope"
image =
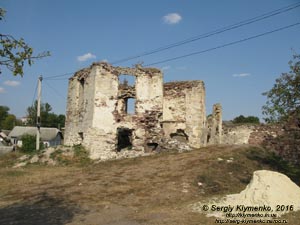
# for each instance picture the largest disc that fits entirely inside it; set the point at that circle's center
(148, 190)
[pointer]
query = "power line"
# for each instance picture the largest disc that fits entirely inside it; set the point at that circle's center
(56, 92)
(195, 38)
(215, 32)
(56, 76)
(58, 79)
(224, 45)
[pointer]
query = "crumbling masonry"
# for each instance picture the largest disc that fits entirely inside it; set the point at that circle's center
(98, 116)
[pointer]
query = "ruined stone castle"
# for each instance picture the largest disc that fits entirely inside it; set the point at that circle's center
(98, 117)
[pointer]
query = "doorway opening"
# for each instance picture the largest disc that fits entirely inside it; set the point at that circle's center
(124, 139)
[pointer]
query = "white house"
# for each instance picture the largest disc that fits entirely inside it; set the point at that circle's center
(49, 136)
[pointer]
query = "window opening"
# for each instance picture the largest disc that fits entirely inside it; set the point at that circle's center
(130, 106)
(127, 80)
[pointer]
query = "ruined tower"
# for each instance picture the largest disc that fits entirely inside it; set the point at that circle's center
(98, 114)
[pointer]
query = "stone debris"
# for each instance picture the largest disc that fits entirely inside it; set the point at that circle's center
(34, 159)
(185, 187)
(267, 188)
(45, 156)
(173, 144)
(23, 158)
(48, 155)
(123, 155)
(200, 184)
(230, 160)
(21, 164)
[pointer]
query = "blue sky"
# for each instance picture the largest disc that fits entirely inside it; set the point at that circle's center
(80, 32)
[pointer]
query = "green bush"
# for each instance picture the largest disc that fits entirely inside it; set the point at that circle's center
(29, 143)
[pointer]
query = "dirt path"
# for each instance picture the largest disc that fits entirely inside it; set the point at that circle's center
(149, 190)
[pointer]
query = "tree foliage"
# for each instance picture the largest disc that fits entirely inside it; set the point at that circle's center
(7, 120)
(48, 118)
(248, 119)
(3, 113)
(283, 99)
(15, 53)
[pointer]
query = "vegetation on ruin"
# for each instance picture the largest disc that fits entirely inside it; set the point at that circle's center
(79, 158)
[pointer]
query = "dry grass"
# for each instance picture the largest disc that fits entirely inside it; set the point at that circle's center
(149, 190)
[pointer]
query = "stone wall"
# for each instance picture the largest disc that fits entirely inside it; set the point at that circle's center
(149, 109)
(75, 108)
(100, 137)
(261, 134)
(249, 133)
(184, 112)
(236, 135)
(96, 111)
(283, 140)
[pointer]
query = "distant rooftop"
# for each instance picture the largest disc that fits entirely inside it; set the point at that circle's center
(47, 134)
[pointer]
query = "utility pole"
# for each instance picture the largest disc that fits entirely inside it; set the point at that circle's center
(38, 115)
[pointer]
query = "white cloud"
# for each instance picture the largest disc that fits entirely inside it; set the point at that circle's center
(172, 18)
(12, 83)
(241, 74)
(2, 90)
(86, 57)
(104, 60)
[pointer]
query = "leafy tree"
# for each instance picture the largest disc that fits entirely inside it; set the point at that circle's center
(15, 52)
(51, 120)
(61, 120)
(48, 118)
(248, 119)
(3, 113)
(32, 113)
(9, 122)
(284, 98)
(54, 120)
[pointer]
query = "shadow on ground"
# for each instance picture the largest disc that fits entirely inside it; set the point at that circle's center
(44, 210)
